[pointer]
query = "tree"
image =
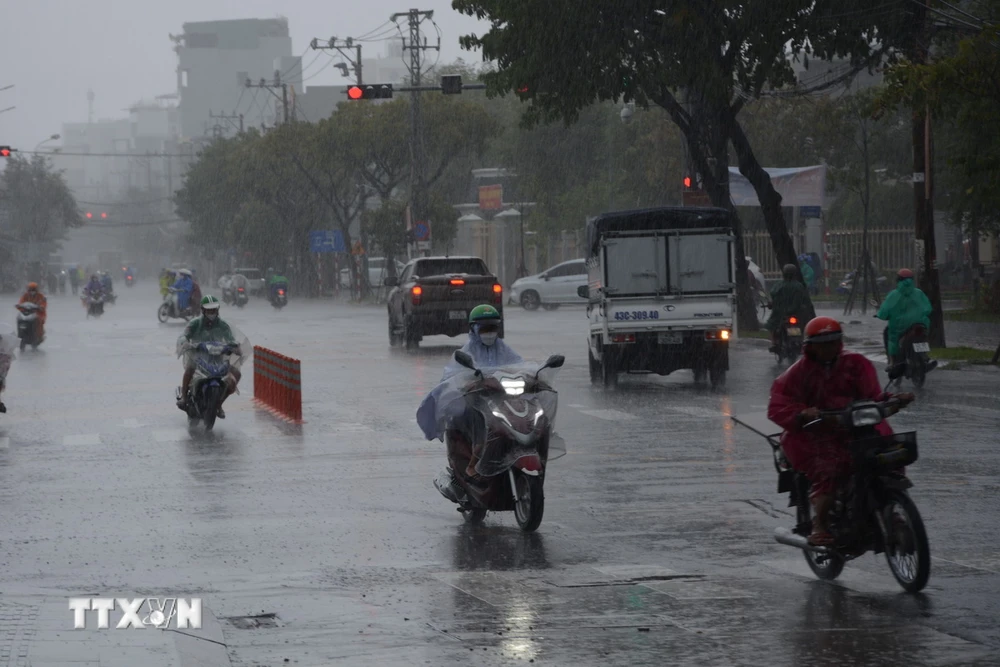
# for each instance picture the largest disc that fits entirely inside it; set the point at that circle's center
(39, 205)
(562, 56)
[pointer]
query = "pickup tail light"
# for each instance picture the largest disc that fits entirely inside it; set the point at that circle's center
(241, 289)
(623, 338)
(457, 281)
(720, 334)
(498, 293)
(793, 320)
(416, 293)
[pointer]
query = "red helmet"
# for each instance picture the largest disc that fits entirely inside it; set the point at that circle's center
(903, 274)
(823, 330)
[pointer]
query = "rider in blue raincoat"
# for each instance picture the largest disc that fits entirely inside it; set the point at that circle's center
(184, 285)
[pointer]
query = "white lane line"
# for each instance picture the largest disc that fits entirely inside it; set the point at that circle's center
(610, 415)
(82, 439)
(4, 442)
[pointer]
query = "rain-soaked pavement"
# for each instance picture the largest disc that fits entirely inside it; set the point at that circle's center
(655, 549)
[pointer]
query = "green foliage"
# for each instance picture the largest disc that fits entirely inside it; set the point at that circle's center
(39, 205)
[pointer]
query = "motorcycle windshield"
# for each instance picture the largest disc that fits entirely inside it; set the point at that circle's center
(506, 422)
(208, 354)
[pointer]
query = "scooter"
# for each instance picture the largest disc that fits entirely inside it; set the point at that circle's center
(208, 386)
(241, 298)
(789, 340)
(518, 410)
(94, 303)
(129, 280)
(872, 509)
(169, 309)
(279, 299)
(915, 350)
(28, 325)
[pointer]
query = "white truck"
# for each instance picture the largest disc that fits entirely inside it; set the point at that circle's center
(661, 293)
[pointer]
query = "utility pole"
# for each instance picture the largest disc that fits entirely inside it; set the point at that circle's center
(334, 43)
(923, 191)
(271, 87)
(416, 45)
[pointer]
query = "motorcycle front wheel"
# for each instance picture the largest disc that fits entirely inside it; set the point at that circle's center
(907, 550)
(212, 399)
(530, 503)
(163, 314)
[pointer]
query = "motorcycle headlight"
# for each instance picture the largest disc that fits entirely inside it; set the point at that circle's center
(513, 386)
(869, 416)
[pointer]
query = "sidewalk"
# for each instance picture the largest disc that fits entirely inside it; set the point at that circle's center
(864, 328)
(37, 631)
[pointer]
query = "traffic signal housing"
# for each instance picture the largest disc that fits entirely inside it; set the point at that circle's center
(451, 84)
(378, 91)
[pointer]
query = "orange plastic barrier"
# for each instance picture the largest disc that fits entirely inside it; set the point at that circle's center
(277, 384)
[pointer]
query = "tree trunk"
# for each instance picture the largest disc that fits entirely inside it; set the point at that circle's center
(770, 200)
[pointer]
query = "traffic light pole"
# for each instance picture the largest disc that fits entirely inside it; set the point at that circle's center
(348, 43)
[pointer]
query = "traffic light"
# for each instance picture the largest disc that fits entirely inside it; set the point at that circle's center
(5, 151)
(688, 182)
(379, 91)
(451, 84)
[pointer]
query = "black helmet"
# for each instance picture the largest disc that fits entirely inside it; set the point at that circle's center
(790, 271)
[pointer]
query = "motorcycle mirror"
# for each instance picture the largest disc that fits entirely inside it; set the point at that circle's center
(465, 359)
(555, 361)
(897, 370)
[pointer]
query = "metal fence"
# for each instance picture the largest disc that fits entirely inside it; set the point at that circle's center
(891, 249)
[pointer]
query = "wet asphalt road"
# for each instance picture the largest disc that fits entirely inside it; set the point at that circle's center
(655, 549)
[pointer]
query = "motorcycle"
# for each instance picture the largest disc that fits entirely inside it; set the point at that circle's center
(242, 299)
(129, 280)
(279, 299)
(915, 353)
(94, 303)
(213, 361)
(170, 309)
(872, 511)
(28, 326)
(789, 340)
(514, 414)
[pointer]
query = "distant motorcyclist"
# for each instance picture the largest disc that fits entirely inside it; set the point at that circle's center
(35, 296)
(184, 287)
(487, 351)
(95, 287)
(74, 279)
(275, 281)
(209, 327)
(62, 282)
(226, 286)
(903, 308)
(167, 279)
(825, 378)
(789, 298)
(107, 283)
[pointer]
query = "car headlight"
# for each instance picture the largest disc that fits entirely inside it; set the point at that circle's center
(869, 416)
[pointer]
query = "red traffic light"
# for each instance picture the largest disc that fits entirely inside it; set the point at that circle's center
(355, 92)
(5, 151)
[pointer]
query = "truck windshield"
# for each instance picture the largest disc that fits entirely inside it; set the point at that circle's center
(440, 267)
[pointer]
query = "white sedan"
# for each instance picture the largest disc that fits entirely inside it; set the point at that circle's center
(377, 272)
(551, 288)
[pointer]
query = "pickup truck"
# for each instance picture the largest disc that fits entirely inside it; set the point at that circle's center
(433, 296)
(661, 293)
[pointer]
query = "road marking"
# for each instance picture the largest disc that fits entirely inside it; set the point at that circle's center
(82, 439)
(610, 415)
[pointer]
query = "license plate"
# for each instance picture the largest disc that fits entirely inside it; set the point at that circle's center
(793, 331)
(670, 338)
(456, 314)
(921, 347)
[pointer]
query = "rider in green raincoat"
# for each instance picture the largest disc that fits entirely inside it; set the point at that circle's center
(904, 307)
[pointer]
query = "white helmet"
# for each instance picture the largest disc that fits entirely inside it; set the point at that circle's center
(184, 272)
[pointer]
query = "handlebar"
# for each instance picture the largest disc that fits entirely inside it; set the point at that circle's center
(842, 417)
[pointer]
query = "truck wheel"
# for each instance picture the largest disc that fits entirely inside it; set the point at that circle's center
(716, 377)
(393, 336)
(700, 374)
(595, 366)
(530, 300)
(410, 341)
(609, 368)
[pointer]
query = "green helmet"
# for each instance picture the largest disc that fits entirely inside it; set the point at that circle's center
(209, 302)
(483, 313)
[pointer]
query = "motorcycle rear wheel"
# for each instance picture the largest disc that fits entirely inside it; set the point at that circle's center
(163, 313)
(530, 503)
(826, 566)
(913, 569)
(917, 372)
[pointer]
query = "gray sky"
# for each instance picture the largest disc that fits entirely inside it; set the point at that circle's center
(54, 50)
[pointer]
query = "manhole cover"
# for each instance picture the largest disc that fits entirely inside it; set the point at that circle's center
(253, 622)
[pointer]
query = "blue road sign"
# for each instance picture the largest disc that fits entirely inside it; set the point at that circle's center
(422, 231)
(810, 211)
(327, 241)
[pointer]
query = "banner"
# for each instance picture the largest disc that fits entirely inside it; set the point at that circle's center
(798, 186)
(490, 197)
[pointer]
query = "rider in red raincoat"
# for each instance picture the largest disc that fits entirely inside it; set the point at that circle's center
(825, 378)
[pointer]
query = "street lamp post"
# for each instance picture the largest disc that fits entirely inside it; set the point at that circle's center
(54, 137)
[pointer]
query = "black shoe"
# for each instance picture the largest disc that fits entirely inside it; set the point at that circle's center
(220, 413)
